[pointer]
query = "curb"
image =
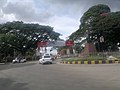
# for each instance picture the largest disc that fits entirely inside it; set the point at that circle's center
(91, 62)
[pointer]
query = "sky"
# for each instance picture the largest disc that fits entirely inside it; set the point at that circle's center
(63, 15)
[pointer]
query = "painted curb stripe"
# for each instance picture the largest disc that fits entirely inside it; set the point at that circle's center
(103, 62)
(92, 62)
(107, 62)
(96, 62)
(110, 61)
(82, 62)
(89, 62)
(85, 62)
(79, 62)
(73, 62)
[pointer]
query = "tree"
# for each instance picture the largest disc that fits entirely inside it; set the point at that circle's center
(97, 24)
(108, 27)
(88, 17)
(93, 13)
(22, 37)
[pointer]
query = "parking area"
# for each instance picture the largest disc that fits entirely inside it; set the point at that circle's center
(34, 76)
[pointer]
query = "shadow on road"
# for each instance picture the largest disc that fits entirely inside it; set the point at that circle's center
(17, 65)
(8, 84)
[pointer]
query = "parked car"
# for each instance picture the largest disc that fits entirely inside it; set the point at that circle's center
(45, 59)
(16, 60)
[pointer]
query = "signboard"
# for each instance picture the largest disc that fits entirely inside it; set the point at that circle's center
(41, 44)
(69, 43)
(57, 43)
(104, 14)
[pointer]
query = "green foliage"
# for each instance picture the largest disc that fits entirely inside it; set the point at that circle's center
(108, 27)
(89, 16)
(23, 37)
(87, 58)
(93, 12)
(99, 22)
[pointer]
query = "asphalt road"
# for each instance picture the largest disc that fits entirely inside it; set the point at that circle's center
(33, 76)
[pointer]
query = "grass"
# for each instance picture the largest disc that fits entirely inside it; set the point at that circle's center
(95, 57)
(88, 58)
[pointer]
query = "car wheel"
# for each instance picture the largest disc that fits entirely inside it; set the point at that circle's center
(42, 63)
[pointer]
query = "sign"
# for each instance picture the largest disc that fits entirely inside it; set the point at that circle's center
(69, 43)
(104, 14)
(41, 44)
(57, 43)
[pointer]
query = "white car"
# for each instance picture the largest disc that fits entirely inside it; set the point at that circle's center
(18, 61)
(46, 59)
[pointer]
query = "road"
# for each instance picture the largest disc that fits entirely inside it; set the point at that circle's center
(33, 76)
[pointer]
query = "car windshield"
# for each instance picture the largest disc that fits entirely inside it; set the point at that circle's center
(46, 56)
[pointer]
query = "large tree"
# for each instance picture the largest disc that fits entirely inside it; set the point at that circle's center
(107, 26)
(100, 26)
(22, 37)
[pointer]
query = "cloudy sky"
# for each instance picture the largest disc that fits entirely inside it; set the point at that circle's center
(63, 15)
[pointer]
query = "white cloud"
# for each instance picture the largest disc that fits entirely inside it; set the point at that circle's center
(71, 11)
(83, 5)
(2, 3)
(65, 25)
(26, 11)
(63, 15)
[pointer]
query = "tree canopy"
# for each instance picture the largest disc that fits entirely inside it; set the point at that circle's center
(22, 37)
(99, 22)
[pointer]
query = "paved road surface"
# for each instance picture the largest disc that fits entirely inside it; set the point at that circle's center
(33, 76)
